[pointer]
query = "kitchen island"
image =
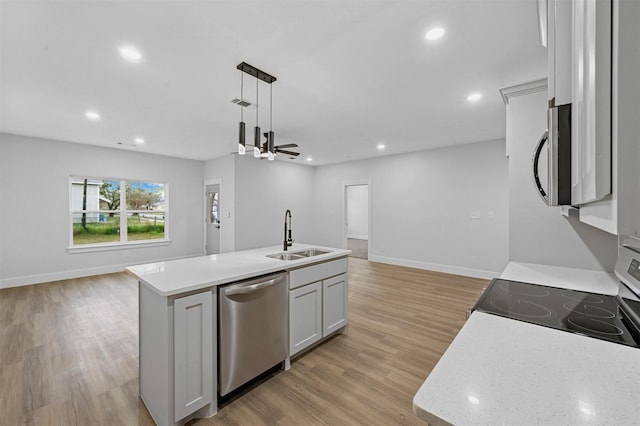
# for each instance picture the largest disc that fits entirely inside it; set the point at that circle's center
(504, 371)
(178, 319)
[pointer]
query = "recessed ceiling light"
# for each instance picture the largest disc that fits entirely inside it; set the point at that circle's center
(92, 115)
(434, 34)
(473, 97)
(130, 53)
(138, 140)
(309, 159)
(381, 146)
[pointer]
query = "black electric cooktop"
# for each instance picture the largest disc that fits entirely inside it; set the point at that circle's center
(590, 314)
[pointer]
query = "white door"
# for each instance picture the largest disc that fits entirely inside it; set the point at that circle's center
(212, 219)
(357, 219)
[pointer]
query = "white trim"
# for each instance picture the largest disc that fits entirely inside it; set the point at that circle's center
(449, 269)
(523, 89)
(356, 182)
(357, 237)
(65, 275)
(90, 248)
(216, 181)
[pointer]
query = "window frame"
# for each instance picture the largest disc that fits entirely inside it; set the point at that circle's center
(123, 242)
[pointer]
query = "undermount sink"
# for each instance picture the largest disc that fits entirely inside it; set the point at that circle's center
(286, 256)
(297, 254)
(310, 252)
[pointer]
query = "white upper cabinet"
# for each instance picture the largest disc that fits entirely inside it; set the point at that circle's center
(591, 106)
(579, 73)
(620, 213)
(559, 18)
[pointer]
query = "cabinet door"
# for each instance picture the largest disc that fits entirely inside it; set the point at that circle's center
(559, 51)
(334, 304)
(591, 110)
(305, 316)
(193, 353)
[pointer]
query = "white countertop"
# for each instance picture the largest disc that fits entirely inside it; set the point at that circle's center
(504, 371)
(556, 276)
(179, 276)
(500, 371)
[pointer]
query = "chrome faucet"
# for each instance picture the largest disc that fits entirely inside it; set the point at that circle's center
(288, 241)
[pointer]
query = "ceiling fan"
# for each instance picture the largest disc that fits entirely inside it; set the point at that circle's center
(281, 148)
(284, 149)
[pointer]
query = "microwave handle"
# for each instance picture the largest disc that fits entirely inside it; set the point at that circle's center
(536, 172)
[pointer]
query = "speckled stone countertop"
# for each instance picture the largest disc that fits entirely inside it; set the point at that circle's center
(503, 371)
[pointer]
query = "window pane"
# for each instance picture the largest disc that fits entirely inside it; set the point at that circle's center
(97, 228)
(145, 226)
(145, 196)
(95, 194)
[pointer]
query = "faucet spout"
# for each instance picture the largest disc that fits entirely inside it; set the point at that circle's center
(288, 241)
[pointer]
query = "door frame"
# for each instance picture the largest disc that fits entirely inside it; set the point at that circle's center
(356, 182)
(217, 181)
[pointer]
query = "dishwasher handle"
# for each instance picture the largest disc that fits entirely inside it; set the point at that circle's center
(250, 288)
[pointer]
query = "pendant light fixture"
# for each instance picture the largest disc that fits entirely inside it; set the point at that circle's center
(241, 127)
(256, 130)
(271, 153)
(269, 149)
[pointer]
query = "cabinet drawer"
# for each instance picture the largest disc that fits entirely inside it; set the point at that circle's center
(318, 272)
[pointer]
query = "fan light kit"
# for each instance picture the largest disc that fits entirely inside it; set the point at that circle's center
(268, 149)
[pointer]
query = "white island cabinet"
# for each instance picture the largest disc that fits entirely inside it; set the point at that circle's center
(317, 303)
(178, 320)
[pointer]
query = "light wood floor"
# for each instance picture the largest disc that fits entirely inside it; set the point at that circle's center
(69, 353)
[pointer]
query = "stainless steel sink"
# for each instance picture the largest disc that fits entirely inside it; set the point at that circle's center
(295, 255)
(286, 256)
(310, 252)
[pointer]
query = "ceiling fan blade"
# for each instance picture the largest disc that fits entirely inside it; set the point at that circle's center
(294, 154)
(288, 145)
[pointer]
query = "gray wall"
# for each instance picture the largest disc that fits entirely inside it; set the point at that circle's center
(421, 207)
(34, 188)
(264, 190)
(539, 233)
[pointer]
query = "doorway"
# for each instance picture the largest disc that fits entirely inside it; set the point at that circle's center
(212, 218)
(357, 219)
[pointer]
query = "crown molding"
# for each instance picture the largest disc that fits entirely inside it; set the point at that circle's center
(523, 89)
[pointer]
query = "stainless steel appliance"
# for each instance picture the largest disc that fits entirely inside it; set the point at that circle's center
(253, 329)
(557, 140)
(611, 318)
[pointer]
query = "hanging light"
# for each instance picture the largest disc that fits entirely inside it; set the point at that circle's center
(256, 130)
(241, 127)
(270, 138)
(268, 149)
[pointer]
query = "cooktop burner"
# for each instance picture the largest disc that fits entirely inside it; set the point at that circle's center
(590, 314)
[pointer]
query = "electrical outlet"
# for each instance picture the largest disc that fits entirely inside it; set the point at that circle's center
(491, 215)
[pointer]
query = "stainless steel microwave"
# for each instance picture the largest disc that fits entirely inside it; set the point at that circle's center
(554, 184)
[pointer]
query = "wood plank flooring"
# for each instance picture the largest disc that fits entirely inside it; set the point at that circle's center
(69, 353)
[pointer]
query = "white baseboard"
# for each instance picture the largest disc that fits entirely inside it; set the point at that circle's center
(358, 237)
(449, 269)
(66, 275)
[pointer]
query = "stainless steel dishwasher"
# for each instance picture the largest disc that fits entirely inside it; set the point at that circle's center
(253, 329)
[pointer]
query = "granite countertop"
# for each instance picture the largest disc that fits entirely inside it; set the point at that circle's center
(179, 276)
(503, 371)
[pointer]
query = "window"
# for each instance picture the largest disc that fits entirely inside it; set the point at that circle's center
(113, 211)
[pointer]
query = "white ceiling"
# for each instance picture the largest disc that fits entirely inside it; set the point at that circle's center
(351, 74)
